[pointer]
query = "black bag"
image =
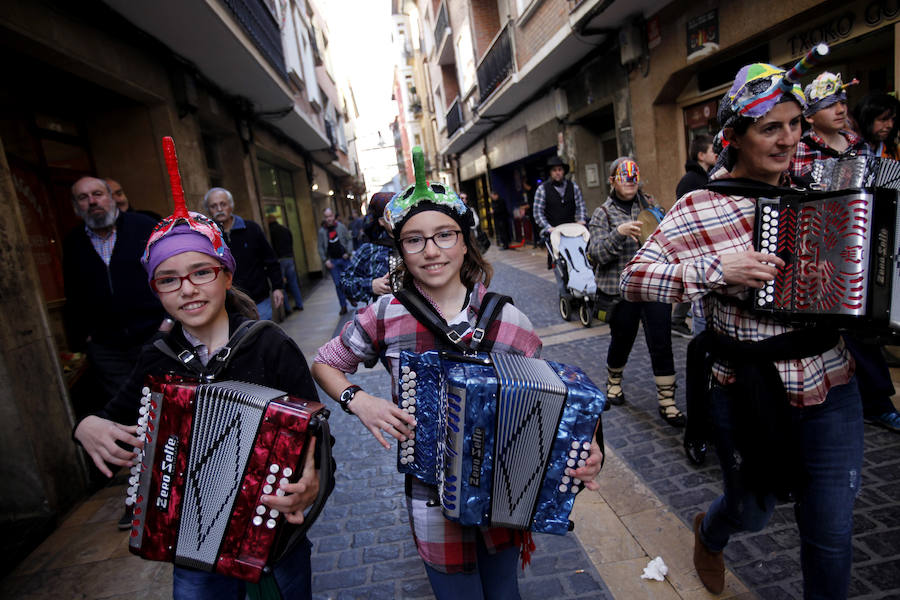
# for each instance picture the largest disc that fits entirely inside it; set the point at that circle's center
(605, 304)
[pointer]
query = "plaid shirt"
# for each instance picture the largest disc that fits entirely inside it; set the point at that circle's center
(681, 262)
(103, 245)
(608, 249)
(812, 147)
(387, 327)
(540, 201)
(370, 261)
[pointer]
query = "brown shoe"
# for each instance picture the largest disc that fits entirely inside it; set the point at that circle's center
(710, 565)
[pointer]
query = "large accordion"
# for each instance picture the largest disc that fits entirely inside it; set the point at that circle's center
(210, 452)
(854, 172)
(840, 251)
(495, 433)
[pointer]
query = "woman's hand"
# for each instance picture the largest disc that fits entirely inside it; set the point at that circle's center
(381, 285)
(378, 415)
(591, 468)
(99, 436)
(630, 229)
(298, 496)
(749, 268)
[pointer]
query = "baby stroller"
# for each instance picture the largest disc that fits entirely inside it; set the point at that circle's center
(574, 277)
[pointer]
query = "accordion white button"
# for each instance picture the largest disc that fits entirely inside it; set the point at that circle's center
(770, 298)
(274, 513)
(412, 434)
(412, 392)
(274, 468)
(404, 369)
(143, 410)
(283, 481)
(575, 445)
(575, 489)
(563, 488)
(412, 374)
(145, 390)
(774, 213)
(566, 479)
(257, 521)
(573, 453)
(267, 489)
(584, 454)
(570, 462)
(260, 510)
(270, 478)
(412, 401)
(404, 403)
(129, 500)
(586, 445)
(270, 523)
(761, 301)
(288, 471)
(581, 463)
(576, 481)
(279, 492)
(411, 409)
(767, 210)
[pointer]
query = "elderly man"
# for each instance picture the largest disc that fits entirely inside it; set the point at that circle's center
(110, 310)
(122, 203)
(558, 200)
(258, 271)
(335, 247)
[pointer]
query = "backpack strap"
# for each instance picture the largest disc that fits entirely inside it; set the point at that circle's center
(425, 314)
(491, 305)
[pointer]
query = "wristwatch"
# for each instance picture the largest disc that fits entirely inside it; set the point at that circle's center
(346, 396)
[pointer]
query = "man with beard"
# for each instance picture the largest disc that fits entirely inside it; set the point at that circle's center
(258, 272)
(110, 310)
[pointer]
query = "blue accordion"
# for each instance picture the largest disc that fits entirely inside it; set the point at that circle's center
(496, 433)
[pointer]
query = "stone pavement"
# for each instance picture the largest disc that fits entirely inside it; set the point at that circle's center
(363, 548)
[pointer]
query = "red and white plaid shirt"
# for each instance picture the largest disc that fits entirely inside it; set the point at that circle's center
(681, 262)
(387, 327)
(811, 147)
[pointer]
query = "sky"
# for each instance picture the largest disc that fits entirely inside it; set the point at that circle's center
(362, 52)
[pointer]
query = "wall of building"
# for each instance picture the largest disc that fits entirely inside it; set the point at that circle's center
(539, 28)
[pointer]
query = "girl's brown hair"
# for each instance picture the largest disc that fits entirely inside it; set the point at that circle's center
(474, 267)
(238, 302)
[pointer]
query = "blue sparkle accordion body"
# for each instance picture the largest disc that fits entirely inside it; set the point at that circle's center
(496, 433)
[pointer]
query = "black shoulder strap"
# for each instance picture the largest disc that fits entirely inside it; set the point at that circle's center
(491, 305)
(425, 314)
(748, 187)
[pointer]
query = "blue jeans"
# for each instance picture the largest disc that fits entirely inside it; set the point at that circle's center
(264, 308)
(292, 573)
(495, 578)
(830, 440)
(338, 266)
(292, 286)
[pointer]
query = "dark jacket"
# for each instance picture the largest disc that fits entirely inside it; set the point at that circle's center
(258, 271)
(282, 240)
(113, 305)
(270, 358)
(694, 179)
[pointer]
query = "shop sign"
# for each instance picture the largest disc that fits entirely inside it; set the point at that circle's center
(703, 35)
(701, 114)
(855, 19)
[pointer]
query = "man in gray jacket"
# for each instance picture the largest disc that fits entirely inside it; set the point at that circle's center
(335, 247)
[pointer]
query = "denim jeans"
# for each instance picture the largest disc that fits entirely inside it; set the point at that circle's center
(495, 579)
(623, 328)
(291, 284)
(292, 573)
(338, 266)
(264, 308)
(830, 442)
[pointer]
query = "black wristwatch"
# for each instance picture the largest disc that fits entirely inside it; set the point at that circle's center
(346, 396)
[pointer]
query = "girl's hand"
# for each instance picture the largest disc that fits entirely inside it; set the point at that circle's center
(381, 285)
(591, 468)
(378, 415)
(99, 436)
(298, 496)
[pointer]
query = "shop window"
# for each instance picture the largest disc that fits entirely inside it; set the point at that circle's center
(721, 73)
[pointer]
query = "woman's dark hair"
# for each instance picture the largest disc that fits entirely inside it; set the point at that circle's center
(474, 267)
(240, 303)
(871, 107)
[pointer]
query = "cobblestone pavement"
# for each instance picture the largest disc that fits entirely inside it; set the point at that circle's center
(768, 562)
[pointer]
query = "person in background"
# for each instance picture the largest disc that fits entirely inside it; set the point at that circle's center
(283, 244)
(259, 273)
(558, 200)
(335, 247)
(366, 277)
(701, 158)
(876, 116)
(122, 200)
(501, 220)
(357, 228)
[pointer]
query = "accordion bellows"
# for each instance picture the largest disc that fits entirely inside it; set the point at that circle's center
(496, 433)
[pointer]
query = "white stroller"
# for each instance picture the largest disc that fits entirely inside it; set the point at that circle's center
(567, 245)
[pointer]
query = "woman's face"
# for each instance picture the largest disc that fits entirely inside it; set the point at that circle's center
(624, 190)
(765, 150)
(195, 306)
(434, 268)
(882, 125)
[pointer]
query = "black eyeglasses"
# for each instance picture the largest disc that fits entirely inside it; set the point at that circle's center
(442, 239)
(173, 283)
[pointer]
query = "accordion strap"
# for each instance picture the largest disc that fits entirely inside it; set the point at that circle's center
(748, 188)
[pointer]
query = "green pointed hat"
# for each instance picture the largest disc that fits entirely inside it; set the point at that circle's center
(423, 196)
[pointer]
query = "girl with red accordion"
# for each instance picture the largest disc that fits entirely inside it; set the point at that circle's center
(431, 227)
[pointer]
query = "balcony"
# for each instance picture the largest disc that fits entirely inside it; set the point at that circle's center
(454, 117)
(443, 46)
(496, 65)
(262, 28)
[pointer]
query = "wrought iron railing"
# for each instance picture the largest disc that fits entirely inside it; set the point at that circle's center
(262, 28)
(454, 117)
(496, 65)
(440, 26)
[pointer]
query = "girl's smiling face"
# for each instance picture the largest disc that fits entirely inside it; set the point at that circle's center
(195, 306)
(434, 268)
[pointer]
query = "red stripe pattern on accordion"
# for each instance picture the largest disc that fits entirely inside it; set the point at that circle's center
(210, 452)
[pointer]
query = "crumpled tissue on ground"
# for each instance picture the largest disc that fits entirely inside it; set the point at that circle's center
(655, 569)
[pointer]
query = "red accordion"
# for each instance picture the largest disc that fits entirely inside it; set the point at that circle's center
(210, 452)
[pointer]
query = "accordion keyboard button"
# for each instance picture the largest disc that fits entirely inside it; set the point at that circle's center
(274, 513)
(570, 462)
(274, 469)
(257, 521)
(267, 489)
(270, 478)
(145, 391)
(586, 445)
(563, 488)
(566, 479)
(283, 481)
(404, 369)
(270, 523)
(279, 492)
(573, 453)
(581, 463)
(260, 510)
(412, 374)
(288, 471)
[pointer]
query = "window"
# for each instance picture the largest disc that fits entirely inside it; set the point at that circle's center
(465, 59)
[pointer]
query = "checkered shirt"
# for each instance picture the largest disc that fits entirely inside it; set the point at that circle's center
(540, 201)
(681, 262)
(387, 327)
(103, 245)
(811, 148)
(369, 262)
(608, 249)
